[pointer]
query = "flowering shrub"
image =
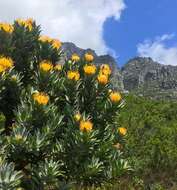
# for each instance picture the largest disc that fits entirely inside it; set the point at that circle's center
(60, 119)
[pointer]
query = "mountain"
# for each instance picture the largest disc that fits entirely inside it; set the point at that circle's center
(146, 77)
(70, 48)
(141, 76)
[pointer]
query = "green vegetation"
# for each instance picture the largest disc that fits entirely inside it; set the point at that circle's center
(57, 126)
(65, 127)
(151, 139)
(150, 146)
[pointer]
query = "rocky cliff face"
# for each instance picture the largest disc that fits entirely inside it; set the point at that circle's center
(148, 78)
(141, 76)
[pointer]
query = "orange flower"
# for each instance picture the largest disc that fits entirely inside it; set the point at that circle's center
(89, 57)
(56, 44)
(6, 27)
(46, 66)
(115, 97)
(5, 63)
(41, 98)
(86, 125)
(2, 69)
(26, 23)
(90, 69)
(20, 21)
(45, 39)
(29, 24)
(105, 69)
(102, 79)
(73, 75)
(75, 58)
(122, 131)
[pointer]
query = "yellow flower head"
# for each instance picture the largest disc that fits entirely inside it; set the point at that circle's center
(77, 117)
(6, 27)
(46, 66)
(45, 39)
(89, 57)
(115, 97)
(29, 24)
(5, 63)
(122, 131)
(41, 98)
(73, 75)
(20, 21)
(56, 44)
(26, 23)
(86, 125)
(75, 58)
(105, 69)
(58, 67)
(90, 69)
(2, 69)
(102, 79)
(30, 21)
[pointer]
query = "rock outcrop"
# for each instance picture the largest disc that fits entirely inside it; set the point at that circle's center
(146, 77)
(141, 76)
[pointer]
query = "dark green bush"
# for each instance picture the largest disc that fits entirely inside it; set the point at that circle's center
(152, 135)
(60, 119)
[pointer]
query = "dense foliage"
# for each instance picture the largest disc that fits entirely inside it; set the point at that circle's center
(57, 122)
(151, 140)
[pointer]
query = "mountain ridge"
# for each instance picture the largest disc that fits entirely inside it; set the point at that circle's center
(140, 75)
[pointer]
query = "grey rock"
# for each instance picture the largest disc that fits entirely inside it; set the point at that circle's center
(141, 76)
(149, 78)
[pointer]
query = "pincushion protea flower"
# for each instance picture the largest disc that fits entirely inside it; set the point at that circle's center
(75, 57)
(115, 97)
(89, 57)
(90, 69)
(46, 66)
(102, 79)
(6, 27)
(41, 98)
(73, 75)
(56, 44)
(86, 125)
(45, 39)
(122, 131)
(5, 63)
(28, 23)
(105, 69)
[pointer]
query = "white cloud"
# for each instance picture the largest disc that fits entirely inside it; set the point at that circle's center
(78, 21)
(158, 50)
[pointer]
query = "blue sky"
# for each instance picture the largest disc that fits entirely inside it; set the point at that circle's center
(141, 20)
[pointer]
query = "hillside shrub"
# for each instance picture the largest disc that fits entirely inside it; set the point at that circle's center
(151, 138)
(60, 119)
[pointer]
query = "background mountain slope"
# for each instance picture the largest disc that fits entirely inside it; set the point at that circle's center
(142, 76)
